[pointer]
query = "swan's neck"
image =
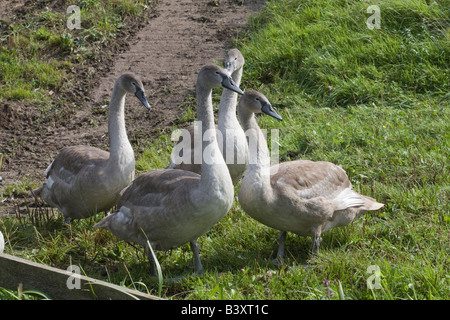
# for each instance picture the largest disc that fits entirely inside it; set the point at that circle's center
(258, 169)
(215, 173)
(227, 107)
(121, 151)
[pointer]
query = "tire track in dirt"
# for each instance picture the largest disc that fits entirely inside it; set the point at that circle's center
(182, 36)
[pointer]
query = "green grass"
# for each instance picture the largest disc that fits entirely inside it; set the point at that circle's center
(22, 295)
(38, 50)
(306, 48)
(385, 121)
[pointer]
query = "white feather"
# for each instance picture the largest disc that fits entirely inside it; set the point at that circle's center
(48, 169)
(348, 198)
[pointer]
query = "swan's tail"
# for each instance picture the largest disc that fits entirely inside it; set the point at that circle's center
(349, 198)
(104, 223)
(36, 193)
(370, 204)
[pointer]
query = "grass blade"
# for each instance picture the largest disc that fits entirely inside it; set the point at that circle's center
(158, 268)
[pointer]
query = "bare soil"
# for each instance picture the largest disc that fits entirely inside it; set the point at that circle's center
(166, 49)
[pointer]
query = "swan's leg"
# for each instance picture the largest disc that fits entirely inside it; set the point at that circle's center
(196, 251)
(316, 244)
(280, 252)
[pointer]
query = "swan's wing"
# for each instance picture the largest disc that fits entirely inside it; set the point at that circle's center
(155, 204)
(321, 179)
(311, 179)
(318, 179)
(71, 160)
(65, 168)
(156, 188)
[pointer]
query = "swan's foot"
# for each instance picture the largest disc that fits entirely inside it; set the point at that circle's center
(278, 261)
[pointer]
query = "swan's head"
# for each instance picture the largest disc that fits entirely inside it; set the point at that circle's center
(132, 84)
(234, 60)
(213, 76)
(256, 102)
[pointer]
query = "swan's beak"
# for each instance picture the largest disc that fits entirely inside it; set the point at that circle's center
(228, 83)
(267, 109)
(141, 96)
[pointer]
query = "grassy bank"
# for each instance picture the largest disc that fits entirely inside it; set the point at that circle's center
(374, 101)
(42, 46)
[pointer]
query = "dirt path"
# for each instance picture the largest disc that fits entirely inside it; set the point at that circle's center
(182, 36)
(8, 7)
(178, 38)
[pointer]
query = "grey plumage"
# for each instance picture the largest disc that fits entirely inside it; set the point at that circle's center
(303, 197)
(232, 139)
(171, 207)
(83, 180)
